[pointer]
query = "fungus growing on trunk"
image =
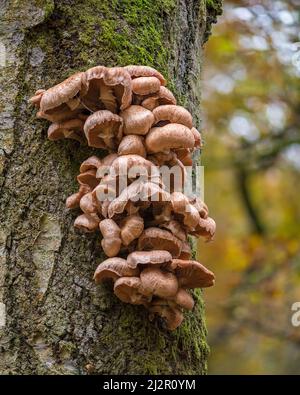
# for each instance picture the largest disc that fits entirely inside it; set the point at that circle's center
(143, 218)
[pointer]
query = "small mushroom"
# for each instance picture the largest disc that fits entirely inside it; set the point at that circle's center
(200, 206)
(159, 239)
(114, 268)
(205, 228)
(159, 283)
(71, 129)
(88, 204)
(111, 242)
(183, 299)
(182, 207)
(127, 289)
(88, 178)
(186, 251)
(185, 156)
(144, 71)
(103, 129)
(172, 317)
(191, 274)
(74, 200)
(87, 222)
(108, 88)
(36, 99)
(132, 145)
(155, 257)
(60, 102)
(91, 163)
(109, 159)
(131, 228)
(118, 205)
(170, 136)
(163, 97)
(133, 166)
(174, 227)
(137, 120)
(173, 114)
(197, 137)
(145, 85)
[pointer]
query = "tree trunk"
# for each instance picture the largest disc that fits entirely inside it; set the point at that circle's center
(53, 319)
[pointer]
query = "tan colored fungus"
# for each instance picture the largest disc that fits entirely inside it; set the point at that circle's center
(173, 114)
(155, 257)
(103, 129)
(163, 97)
(159, 239)
(141, 214)
(170, 136)
(114, 268)
(132, 145)
(137, 120)
(158, 282)
(131, 228)
(145, 71)
(111, 242)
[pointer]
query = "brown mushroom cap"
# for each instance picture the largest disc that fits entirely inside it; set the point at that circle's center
(103, 129)
(163, 97)
(60, 94)
(114, 268)
(174, 227)
(127, 289)
(206, 228)
(155, 257)
(156, 282)
(200, 206)
(108, 88)
(191, 274)
(137, 120)
(172, 135)
(197, 137)
(184, 299)
(111, 233)
(91, 163)
(74, 200)
(173, 317)
(173, 114)
(88, 204)
(145, 85)
(87, 222)
(144, 71)
(159, 239)
(71, 129)
(182, 206)
(126, 165)
(36, 98)
(118, 205)
(131, 228)
(186, 251)
(88, 178)
(119, 79)
(109, 159)
(132, 145)
(185, 156)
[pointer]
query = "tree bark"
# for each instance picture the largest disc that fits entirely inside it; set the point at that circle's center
(53, 319)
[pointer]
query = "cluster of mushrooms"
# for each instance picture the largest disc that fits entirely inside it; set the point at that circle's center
(144, 226)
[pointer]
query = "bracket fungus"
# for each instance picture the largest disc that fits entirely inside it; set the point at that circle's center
(142, 222)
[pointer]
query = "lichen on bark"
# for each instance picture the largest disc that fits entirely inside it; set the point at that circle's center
(53, 318)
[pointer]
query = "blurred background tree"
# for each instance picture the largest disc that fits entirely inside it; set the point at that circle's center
(251, 117)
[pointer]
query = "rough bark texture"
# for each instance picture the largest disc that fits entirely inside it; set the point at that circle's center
(53, 319)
